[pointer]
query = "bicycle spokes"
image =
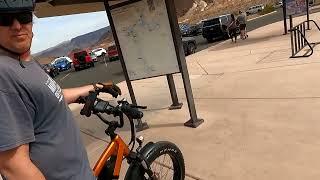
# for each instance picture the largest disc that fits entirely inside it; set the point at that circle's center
(162, 168)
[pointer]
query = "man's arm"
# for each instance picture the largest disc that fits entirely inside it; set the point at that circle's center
(15, 164)
(71, 95)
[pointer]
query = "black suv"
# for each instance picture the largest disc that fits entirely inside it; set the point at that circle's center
(216, 27)
(50, 69)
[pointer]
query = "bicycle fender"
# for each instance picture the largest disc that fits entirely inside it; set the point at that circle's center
(135, 171)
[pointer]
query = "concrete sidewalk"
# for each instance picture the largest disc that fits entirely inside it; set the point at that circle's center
(260, 108)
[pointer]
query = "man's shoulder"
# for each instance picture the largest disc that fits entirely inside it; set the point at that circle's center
(7, 62)
(9, 76)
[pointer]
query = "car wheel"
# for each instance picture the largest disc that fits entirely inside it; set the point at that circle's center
(191, 48)
(210, 40)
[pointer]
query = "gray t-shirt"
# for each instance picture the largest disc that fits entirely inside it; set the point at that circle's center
(242, 18)
(33, 111)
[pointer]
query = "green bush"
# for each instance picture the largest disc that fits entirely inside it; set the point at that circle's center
(267, 9)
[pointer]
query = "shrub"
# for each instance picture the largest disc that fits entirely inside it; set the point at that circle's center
(267, 9)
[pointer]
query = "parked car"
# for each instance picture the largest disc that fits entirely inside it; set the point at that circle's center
(113, 53)
(82, 60)
(216, 27)
(51, 70)
(199, 27)
(62, 64)
(185, 29)
(99, 52)
(94, 57)
(66, 57)
(189, 45)
(278, 4)
(189, 30)
(255, 9)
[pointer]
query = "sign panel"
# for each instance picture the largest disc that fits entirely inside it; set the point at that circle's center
(296, 7)
(145, 39)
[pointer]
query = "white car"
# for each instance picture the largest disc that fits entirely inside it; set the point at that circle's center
(99, 52)
(255, 9)
(278, 4)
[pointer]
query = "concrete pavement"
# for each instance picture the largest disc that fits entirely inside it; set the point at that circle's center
(260, 108)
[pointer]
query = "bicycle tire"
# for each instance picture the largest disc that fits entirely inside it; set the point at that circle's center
(154, 151)
(107, 171)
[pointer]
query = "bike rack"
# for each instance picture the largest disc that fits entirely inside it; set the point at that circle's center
(299, 40)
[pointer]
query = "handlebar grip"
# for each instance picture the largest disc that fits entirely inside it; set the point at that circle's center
(88, 106)
(134, 113)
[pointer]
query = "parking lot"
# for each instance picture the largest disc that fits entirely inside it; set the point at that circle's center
(113, 71)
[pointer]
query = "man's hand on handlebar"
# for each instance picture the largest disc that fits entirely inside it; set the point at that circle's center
(109, 88)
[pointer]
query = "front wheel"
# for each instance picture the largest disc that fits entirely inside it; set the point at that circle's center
(166, 162)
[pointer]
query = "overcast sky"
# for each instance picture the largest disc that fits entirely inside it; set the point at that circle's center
(49, 32)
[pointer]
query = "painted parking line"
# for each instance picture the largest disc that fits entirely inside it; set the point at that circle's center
(262, 15)
(65, 76)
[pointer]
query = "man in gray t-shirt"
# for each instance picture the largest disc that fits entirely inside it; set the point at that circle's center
(38, 136)
(242, 20)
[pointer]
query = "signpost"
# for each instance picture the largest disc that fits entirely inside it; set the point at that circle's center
(147, 35)
(148, 39)
(294, 7)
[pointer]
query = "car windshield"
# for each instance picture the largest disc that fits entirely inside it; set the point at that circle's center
(96, 50)
(183, 26)
(210, 22)
(62, 60)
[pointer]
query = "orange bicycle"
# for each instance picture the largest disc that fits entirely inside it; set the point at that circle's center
(155, 161)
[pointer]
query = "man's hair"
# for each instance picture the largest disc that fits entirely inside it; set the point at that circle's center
(15, 6)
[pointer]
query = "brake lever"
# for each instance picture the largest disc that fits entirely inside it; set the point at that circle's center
(81, 100)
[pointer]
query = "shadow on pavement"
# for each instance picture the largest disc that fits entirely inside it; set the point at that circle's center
(166, 125)
(241, 42)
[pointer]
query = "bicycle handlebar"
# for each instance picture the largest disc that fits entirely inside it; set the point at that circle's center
(95, 105)
(124, 107)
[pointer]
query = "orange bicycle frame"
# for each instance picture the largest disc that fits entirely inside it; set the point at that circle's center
(118, 148)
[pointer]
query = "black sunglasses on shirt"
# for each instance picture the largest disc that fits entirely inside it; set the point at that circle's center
(7, 19)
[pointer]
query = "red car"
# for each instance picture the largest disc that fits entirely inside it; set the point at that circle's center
(113, 53)
(82, 60)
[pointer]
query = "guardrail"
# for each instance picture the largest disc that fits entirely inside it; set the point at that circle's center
(299, 40)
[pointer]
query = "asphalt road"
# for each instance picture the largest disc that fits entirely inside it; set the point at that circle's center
(102, 72)
(113, 71)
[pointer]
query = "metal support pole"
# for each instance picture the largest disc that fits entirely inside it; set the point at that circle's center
(299, 38)
(141, 125)
(284, 4)
(173, 19)
(308, 17)
(295, 41)
(304, 34)
(173, 93)
(291, 33)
